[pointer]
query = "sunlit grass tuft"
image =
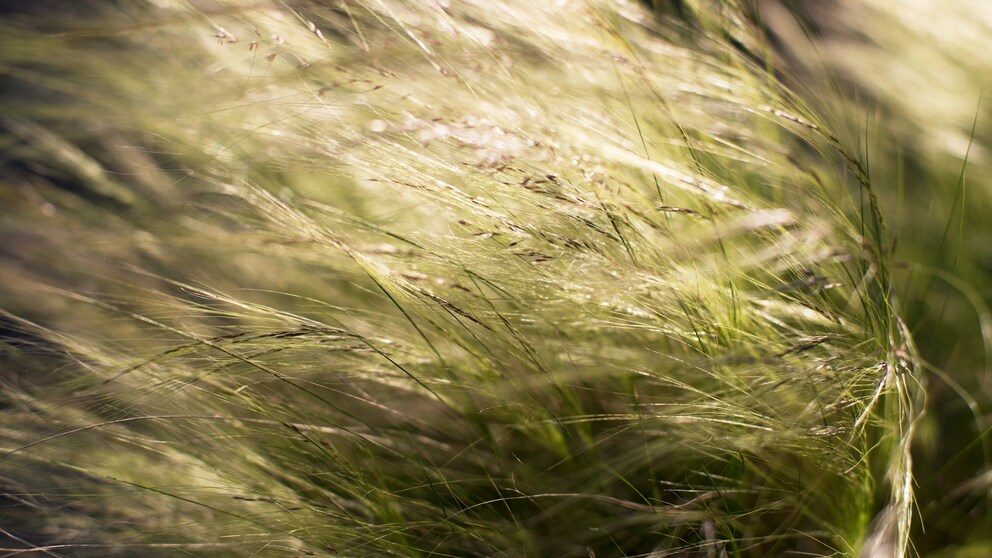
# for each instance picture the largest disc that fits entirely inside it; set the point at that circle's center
(420, 279)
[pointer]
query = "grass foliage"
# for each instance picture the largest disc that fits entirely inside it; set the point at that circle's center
(395, 278)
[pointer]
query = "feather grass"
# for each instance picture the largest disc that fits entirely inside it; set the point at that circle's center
(386, 278)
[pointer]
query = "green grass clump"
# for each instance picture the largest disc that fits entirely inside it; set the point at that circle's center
(385, 278)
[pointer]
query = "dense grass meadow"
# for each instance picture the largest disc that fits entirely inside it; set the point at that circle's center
(473, 278)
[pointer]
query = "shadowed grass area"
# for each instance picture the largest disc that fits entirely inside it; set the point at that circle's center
(449, 279)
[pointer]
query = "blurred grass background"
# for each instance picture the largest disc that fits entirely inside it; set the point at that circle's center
(584, 278)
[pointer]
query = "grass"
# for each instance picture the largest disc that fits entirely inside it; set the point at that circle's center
(383, 278)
